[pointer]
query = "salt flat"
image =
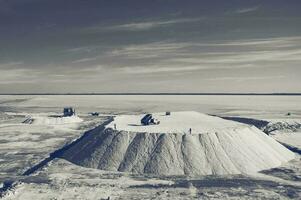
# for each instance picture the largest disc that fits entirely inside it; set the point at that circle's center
(262, 106)
(24, 145)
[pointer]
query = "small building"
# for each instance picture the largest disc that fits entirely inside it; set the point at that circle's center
(69, 111)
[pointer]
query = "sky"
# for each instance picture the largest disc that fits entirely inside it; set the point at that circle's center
(59, 46)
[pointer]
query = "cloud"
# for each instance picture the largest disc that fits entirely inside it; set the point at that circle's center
(275, 42)
(245, 57)
(15, 72)
(145, 25)
(11, 64)
(158, 69)
(84, 60)
(168, 57)
(190, 60)
(80, 49)
(19, 72)
(149, 50)
(239, 78)
(9, 76)
(247, 10)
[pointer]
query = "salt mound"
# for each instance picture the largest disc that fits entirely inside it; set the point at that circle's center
(42, 120)
(289, 125)
(4, 116)
(215, 146)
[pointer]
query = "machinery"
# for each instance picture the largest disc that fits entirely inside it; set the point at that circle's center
(149, 120)
(69, 111)
(94, 113)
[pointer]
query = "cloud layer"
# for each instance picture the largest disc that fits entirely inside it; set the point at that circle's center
(153, 46)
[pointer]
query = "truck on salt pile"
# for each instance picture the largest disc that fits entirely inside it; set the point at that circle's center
(148, 119)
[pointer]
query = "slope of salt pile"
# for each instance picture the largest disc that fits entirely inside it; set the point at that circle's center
(216, 146)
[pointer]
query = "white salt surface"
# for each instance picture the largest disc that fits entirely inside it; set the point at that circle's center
(43, 120)
(177, 122)
(216, 146)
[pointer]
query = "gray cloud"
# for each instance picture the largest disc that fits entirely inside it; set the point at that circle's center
(10, 76)
(149, 46)
(168, 57)
(241, 79)
(159, 69)
(247, 10)
(142, 26)
(82, 60)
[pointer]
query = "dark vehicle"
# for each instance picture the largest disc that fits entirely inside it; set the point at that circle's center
(69, 111)
(94, 113)
(148, 119)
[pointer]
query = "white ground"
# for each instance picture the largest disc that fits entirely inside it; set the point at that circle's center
(63, 180)
(259, 106)
(286, 130)
(290, 138)
(177, 122)
(55, 121)
(216, 146)
(23, 145)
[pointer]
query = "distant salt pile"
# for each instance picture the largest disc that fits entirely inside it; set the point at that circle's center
(214, 146)
(44, 120)
(289, 125)
(4, 116)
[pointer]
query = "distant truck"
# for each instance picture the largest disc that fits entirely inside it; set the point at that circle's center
(94, 113)
(148, 120)
(68, 112)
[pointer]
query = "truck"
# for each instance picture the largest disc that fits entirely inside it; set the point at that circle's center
(148, 119)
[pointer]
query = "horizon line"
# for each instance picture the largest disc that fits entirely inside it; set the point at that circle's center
(161, 93)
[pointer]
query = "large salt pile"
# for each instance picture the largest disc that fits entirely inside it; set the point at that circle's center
(214, 146)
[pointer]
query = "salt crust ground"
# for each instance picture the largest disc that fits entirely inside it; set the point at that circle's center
(217, 146)
(44, 120)
(177, 122)
(23, 145)
(64, 180)
(269, 107)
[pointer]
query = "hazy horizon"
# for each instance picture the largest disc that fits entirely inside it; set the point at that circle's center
(159, 46)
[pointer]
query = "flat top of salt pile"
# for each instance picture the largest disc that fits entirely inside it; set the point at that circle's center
(177, 122)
